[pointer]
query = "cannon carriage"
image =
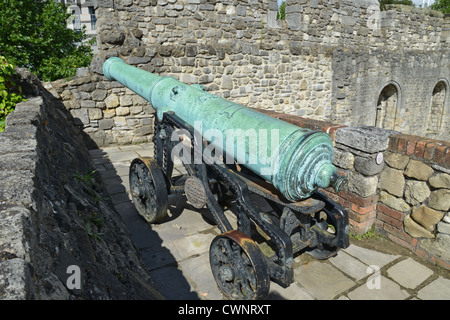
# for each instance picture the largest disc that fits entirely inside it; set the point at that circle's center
(222, 172)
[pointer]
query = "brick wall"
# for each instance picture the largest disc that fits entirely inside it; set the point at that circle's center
(399, 184)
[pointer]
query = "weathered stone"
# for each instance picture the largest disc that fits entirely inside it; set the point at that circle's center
(396, 160)
(416, 192)
(447, 218)
(361, 185)
(343, 159)
(80, 116)
(392, 181)
(106, 124)
(440, 200)
(438, 247)
(393, 202)
(112, 101)
(368, 165)
(426, 217)
(95, 114)
(415, 230)
(367, 139)
(443, 227)
(112, 37)
(99, 95)
(441, 180)
(418, 170)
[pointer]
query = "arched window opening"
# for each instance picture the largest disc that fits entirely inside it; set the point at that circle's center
(387, 116)
(437, 107)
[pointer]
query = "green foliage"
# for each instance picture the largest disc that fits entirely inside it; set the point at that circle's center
(441, 5)
(8, 95)
(34, 34)
(385, 2)
(281, 14)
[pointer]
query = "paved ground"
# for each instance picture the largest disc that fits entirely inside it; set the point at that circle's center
(176, 253)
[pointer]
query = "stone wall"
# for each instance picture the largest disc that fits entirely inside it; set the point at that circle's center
(414, 202)
(397, 183)
(340, 61)
(56, 222)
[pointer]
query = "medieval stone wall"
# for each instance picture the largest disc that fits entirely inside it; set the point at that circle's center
(340, 61)
(60, 236)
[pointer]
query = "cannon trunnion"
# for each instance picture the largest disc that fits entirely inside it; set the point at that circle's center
(259, 246)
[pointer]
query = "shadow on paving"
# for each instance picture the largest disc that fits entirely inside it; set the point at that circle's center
(158, 259)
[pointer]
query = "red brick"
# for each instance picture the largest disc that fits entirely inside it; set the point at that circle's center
(410, 146)
(402, 144)
(429, 150)
(399, 233)
(361, 227)
(400, 242)
(393, 143)
(439, 153)
(443, 264)
(390, 212)
(363, 210)
(447, 158)
(354, 198)
(420, 148)
(389, 220)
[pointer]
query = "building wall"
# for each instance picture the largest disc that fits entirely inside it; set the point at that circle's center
(328, 60)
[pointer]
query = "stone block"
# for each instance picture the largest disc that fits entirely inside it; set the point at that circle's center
(368, 165)
(443, 227)
(440, 200)
(95, 114)
(392, 181)
(441, 180)
(426, 217)
(416, 230)
(418, 170)
(396, 160)
(112, 101)
(361, 185)
(343, 159)
(366, 139)
(122, 111)
(393, 202)
(416, 192)
(106, 124)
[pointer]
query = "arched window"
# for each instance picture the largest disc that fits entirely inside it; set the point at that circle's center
(387, 116)
(435, 121)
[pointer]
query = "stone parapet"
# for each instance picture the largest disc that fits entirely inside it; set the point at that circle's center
(61, 237)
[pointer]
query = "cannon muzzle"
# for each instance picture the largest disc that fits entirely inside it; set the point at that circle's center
(296, 161)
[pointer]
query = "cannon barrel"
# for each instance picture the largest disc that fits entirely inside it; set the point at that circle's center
(295, 160)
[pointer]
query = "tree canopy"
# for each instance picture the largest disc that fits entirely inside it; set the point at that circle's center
(441, 5)
(385, 2)
(34, 34)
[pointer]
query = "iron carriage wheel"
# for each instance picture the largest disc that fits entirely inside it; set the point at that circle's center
(149, 190)
(239, 267)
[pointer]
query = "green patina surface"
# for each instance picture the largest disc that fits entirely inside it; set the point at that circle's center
(296, 161)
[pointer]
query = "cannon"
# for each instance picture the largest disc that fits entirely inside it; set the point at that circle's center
(233, 155)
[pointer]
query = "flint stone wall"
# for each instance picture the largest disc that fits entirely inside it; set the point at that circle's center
(54, 213)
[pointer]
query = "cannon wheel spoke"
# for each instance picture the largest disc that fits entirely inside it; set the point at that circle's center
(238, 267)
(148, 189)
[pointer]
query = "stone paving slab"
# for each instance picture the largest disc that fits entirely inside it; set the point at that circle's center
(177, 251)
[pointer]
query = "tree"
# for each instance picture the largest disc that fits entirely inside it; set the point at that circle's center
(281, 13)
(383, 3)
(34, 34)
(441, 5)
